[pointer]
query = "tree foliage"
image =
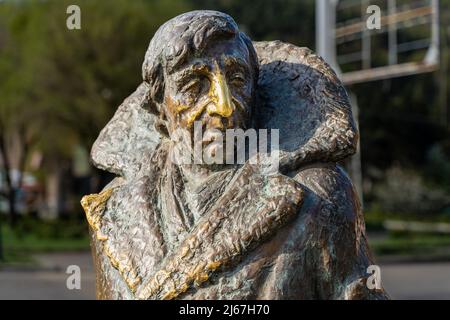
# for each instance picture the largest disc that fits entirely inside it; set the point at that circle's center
(59, 87)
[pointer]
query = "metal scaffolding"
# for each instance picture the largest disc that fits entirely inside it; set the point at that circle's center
(331, 34)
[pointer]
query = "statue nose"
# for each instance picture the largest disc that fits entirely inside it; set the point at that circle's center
(220, 93)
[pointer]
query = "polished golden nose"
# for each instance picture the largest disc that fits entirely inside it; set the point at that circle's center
(220, 95)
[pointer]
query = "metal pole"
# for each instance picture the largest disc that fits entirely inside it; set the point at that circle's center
(326, 47)
(432, 56)
(325, 28)
(366, 54)
(392, 33)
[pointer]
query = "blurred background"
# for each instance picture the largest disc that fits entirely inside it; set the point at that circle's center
(59, 87)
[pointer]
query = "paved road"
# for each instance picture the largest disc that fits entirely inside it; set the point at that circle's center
(49, 281)
(402, 281)
(417, 280)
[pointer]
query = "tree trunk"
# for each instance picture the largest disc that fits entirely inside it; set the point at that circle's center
(11, 193)
(12, 205)
(2, 256)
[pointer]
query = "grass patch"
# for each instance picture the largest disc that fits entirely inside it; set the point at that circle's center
(35, 236)
(374, 219)
(412, 244)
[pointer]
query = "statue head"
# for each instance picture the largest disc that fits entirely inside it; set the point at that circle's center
(200, 67)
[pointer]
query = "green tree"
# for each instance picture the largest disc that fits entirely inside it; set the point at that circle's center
(18, 64)
(59, 87)
(287, 20)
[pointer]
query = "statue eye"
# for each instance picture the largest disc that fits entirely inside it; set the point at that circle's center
(237, 78)
(191, 86)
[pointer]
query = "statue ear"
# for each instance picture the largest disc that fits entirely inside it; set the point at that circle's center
(300, 95)
(155, 99)
(155, 81)
(149, 103)
(156, 108)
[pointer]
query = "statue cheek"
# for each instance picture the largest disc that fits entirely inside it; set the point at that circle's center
(174, 106)
(188, 118)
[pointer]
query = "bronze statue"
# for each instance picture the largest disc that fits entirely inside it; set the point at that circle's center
(164, 230)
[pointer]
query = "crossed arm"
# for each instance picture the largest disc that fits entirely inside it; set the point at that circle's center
(250, 211)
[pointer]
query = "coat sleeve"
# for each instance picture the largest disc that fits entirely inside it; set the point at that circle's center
(335, 251)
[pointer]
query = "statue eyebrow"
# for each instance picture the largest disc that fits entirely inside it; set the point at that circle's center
(201, 67)
(231, 60)
(195, 67)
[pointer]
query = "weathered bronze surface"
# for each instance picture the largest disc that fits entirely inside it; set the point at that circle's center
(161, 230)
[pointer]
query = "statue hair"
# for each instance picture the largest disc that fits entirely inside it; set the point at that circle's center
(182, 38)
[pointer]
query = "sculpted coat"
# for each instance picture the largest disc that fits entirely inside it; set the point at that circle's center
(163, 230)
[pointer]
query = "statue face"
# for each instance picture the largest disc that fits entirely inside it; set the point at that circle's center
(215, 89)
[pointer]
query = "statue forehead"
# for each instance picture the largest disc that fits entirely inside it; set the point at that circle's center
(190, 35)
(222, 53)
